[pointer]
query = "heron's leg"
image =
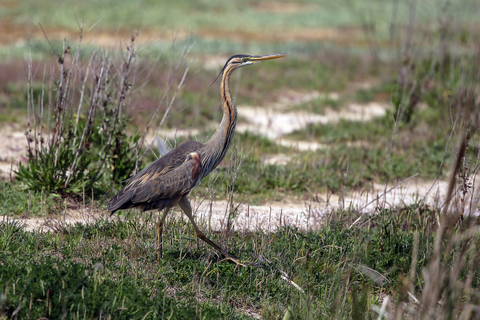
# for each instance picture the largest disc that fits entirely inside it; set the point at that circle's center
(184, 204)
(160, 231)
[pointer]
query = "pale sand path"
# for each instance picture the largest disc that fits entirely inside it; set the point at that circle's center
(213, 216)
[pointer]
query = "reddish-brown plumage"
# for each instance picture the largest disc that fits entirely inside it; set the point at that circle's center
(197, 165)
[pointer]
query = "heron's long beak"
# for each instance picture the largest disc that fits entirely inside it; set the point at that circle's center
(267, 57)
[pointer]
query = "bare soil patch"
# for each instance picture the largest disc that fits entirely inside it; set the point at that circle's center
(273, 125)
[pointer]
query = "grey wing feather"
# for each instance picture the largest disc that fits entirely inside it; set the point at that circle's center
(138, 186)
(162, 147)
(171, 160)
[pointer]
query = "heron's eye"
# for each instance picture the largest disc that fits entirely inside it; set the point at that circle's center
(244, 59)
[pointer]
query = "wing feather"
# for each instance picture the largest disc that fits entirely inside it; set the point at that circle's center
(167, 177)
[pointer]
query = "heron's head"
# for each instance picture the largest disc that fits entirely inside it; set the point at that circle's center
(241, 60)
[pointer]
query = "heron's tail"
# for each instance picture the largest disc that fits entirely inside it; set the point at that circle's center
(121, 201)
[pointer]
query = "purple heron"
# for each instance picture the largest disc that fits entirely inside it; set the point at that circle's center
(168, 180)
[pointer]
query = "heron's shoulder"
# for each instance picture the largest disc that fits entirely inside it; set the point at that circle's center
(187, 147)
(177, 155)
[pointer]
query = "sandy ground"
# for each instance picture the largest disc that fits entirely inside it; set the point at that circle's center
(274, 124)
(213, 216)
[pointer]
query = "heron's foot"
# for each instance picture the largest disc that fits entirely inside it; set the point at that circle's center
(235, 260)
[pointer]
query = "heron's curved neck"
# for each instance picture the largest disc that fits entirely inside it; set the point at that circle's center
(216, 148)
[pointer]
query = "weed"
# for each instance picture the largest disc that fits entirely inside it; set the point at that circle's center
(16, 202)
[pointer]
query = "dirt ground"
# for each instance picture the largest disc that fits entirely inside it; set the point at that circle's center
(213, 216)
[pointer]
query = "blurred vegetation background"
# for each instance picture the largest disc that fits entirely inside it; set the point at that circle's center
(385, 91)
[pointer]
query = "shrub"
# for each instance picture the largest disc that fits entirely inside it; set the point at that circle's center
(76, 131)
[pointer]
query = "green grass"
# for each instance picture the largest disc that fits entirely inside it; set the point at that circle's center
(111, 268)
(16, 201)
(61, 284)
(364, 149)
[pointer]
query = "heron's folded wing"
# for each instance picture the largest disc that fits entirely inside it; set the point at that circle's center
(154, 186)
